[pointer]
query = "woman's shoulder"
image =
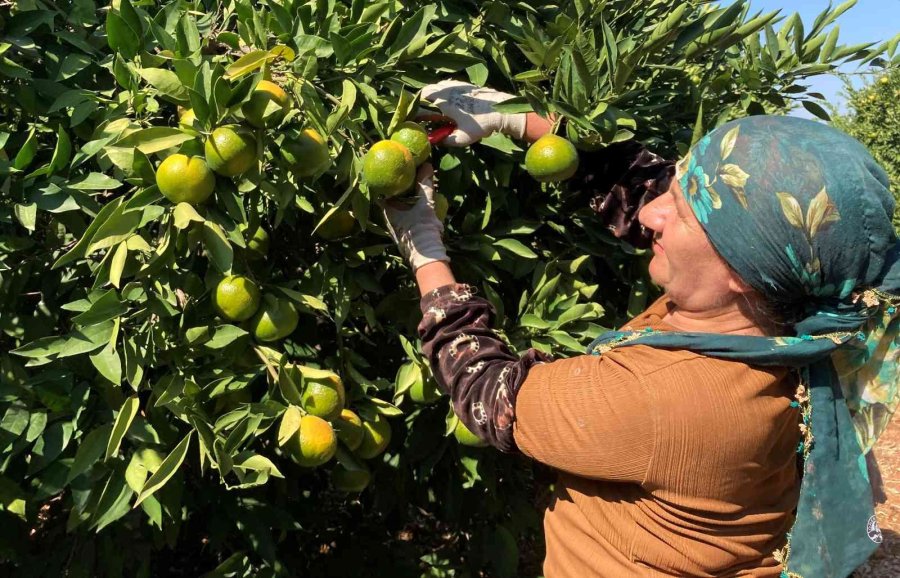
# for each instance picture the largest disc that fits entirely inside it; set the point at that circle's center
(662, 367)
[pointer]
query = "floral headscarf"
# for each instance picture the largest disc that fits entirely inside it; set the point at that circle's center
(802, 213)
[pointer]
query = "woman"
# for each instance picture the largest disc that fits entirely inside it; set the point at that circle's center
(678, 440)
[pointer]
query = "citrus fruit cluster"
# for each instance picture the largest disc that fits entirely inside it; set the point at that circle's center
(389, 168)
(326, 424)
(269, 317)
(232, 150)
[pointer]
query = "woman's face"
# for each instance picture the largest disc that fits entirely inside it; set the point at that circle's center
(684, 262)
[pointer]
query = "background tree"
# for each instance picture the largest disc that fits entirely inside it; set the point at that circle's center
(144, 429)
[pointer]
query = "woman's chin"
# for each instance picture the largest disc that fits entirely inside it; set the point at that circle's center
(656, 271)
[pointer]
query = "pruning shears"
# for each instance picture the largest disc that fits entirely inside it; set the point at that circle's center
(437, 125)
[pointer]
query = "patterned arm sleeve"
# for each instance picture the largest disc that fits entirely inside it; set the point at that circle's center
(472, 363)
(619, 180)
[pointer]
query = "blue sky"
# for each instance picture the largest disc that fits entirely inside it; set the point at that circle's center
(868, 21)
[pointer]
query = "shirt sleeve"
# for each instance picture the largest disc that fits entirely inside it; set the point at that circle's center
(589, 416)
(618, 181)
(472, 363)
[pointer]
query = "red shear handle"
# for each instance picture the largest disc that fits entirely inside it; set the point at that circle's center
(440, 133)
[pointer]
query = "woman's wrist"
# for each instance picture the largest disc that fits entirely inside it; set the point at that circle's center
(536, 126)
(434, 275)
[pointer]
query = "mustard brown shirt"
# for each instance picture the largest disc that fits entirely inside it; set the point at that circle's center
(670, 463)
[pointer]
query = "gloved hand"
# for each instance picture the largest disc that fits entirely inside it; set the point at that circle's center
(416, 229)
(471, 108)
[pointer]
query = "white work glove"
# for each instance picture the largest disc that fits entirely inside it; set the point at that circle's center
(416, 229)
(472, 109)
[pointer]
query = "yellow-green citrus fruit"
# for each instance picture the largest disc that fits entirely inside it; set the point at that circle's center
(465, 436)
(306, 153)
(551, 158)
(351, 481)
(884, 80)
(340, 224)
(183, 179)
(187, 119)
(264, 93)
(258, 244)
(349, 428)
(389, 169)
(424, 391)
(236, 298)
(275, 319)
(324, 398)
(230, 152)
(413, 136)
(314, 443)
(376, 437)
(441, 206)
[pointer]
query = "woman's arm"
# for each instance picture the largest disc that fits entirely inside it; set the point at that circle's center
(472, 363)
(433, 275)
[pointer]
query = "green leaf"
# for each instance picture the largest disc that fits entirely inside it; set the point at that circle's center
(516, 247)
(532, 320)
(566, 340)
(500, 142)
(113, 502)
(154, 139)
(62, 154)
(90, 450)
(50, 445)
(26, 215)
(124, 32)
(290, 423)
(248, 63)
(117, 264)
(107, 307)
(405, 105)
(224, 335)
(119, 227)
(166, 82)
(27, 153)
(289, 383)
(816, 109)
(413, 29)
(254, 470)
(78, 251)
(94, 182)
(166, 469)
(109, 364)
(78, 342)
(184, 214)
(72, 64)
(384, 408)
(218, 249)
(123, 421)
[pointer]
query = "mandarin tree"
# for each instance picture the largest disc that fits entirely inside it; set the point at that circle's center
(147, 432)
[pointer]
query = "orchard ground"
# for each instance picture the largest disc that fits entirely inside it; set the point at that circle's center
(885, 563)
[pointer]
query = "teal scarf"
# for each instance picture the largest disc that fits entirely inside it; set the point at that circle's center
(802, 213)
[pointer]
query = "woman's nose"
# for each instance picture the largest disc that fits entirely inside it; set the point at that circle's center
(653, 214)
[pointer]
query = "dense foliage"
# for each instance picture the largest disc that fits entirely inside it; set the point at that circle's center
(874, 118)
(141, 432)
